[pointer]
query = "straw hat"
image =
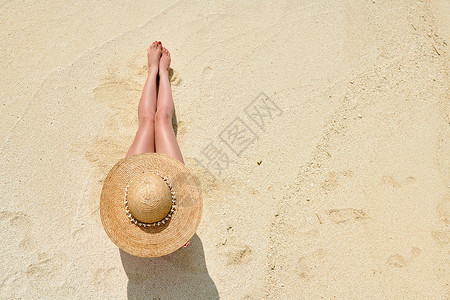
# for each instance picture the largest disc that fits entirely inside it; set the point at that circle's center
(150, 204)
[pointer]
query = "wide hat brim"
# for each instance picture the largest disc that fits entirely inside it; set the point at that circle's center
(151, 241)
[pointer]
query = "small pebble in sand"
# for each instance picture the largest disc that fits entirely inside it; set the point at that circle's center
(282, 284)
(224, 241)
(359, 116)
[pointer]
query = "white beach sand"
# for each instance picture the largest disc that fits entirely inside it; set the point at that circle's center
(339, 190)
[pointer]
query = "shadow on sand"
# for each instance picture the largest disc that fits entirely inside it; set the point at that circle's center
(179, 275)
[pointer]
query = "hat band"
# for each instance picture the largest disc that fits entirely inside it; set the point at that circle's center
(166, 218)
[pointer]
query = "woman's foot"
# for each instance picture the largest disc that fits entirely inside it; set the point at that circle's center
(164, 62)
(154, 55)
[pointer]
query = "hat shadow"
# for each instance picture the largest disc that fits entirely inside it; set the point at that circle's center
(179, 275)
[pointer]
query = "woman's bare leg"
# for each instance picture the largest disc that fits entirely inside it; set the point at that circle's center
(165, 140)
(145, 136)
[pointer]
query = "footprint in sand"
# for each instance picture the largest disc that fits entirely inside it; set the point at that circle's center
(206, 86)
(441, 237)
(105, 275)
(333, 179)
(78, 233)
(308, 263)
(235, 253)
(238, 255)
(443, 209)
(174, 78)
(390, 180)
(27, 244)
(399, 261)
(15, 223)
(345, 215)
(207, 73)
(45, 267)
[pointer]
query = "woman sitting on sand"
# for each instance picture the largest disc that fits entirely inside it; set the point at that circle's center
(151, 203)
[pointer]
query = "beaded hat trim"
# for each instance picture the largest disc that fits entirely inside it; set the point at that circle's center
(166, 218)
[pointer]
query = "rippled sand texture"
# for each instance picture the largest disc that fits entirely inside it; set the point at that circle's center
(319, 131)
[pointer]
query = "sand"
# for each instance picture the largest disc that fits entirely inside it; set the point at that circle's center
(337, 185)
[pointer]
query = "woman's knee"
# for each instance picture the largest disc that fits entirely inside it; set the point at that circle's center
(146, 118)
(163, 114)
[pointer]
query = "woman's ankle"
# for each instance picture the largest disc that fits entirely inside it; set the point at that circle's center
(153, 71)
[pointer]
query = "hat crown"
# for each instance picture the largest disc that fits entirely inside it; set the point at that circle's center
(149, 198)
